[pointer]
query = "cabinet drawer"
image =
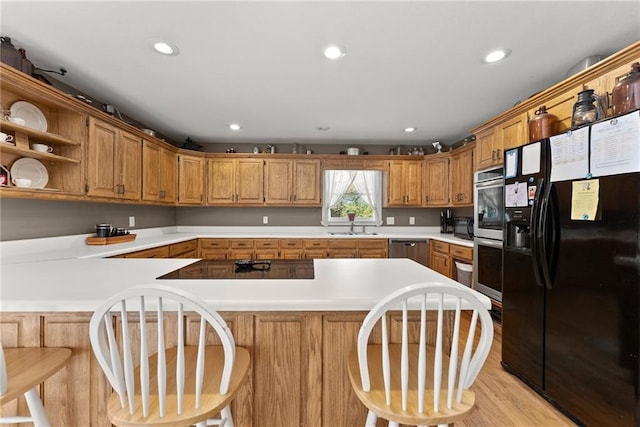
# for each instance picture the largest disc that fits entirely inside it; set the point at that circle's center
(439, 246)
(316, 243)
(462, 252)
(160, 252)
(242, 244)
(291, 243)
(343, 244)
(214, 243)
(372, 244)
(266, 243)
(181, 248)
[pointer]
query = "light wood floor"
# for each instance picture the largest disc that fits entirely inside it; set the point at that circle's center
(503, 400)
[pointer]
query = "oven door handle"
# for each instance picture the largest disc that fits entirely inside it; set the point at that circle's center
(489, 184)
(489, 242)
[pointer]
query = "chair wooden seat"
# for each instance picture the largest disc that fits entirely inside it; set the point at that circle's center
(21, 370)
(212, 401)
(375, 399)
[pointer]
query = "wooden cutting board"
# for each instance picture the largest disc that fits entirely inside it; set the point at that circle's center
(110, 240)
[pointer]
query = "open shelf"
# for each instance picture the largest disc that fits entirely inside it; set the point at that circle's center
(51, 138)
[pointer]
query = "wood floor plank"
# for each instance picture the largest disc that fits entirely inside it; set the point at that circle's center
(503, 400)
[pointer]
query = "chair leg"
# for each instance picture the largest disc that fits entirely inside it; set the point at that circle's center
(372, 418)
(227, 419)
(36, 409)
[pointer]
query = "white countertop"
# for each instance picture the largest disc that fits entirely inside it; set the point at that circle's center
(64, 274)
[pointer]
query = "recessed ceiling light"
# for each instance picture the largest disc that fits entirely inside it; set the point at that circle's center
(496, 55)
(234, 126)
(410, 129)
(322, 128)
(334, 52)
(166, 48)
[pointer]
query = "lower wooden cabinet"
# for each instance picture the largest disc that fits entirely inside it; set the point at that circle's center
(298, 373)
(443, 256)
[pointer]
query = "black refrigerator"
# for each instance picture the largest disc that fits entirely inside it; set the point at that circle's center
(571, 268)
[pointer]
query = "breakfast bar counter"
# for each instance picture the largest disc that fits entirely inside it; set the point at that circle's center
(298, 331)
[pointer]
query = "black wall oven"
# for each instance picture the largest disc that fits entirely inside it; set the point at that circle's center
(487, 259)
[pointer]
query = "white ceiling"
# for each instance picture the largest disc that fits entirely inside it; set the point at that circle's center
(260, 63)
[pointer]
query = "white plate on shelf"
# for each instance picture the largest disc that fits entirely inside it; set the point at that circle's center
(32, 169)
(31, 114)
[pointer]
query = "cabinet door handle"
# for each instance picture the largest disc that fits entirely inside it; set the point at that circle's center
(498, 154)
(493, 154)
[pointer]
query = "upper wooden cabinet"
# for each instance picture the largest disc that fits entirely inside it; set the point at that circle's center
(292, 182)
(66, 133)
(159, 173)
(235, 181)
(114, 162)
(436, 181)
(404, 183)
(462, 162)
(190, 179)
(510, 129)
(487, 144)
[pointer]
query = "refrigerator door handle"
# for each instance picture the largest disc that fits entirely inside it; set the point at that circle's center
(535, 242)
(544, 219)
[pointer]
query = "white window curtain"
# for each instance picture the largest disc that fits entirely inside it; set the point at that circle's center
(369, 185)
(338, 184)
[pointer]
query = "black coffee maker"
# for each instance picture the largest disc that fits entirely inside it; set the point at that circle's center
(446, 221)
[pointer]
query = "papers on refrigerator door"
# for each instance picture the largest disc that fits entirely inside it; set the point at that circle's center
(615, 145)
(511, 164)
(570, 155)
(531, 158)
(516, 195)
(584, 199)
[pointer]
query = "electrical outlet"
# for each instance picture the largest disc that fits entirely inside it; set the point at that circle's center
(132, 221)
(412, 220)
(265, 220)
(391, 220)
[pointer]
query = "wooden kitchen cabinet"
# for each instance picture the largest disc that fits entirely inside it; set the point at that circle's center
(66, 133)
(488, 144)
(315, 248)
(291, 249)
(235, 181)
(159, 252)
(404, 183)
(242, 249)
(343, 248)
(513, 133)
(190, 179)
(292, 182)
(439, 259)
(267, 248)
(114, 162)
(373, 248)
(213, 248)
(462, 161)
(159, 173)
(188, 249)
(436, 181)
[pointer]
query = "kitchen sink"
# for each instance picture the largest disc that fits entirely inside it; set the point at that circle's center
(348, 233)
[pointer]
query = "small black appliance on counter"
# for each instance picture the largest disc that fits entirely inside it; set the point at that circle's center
(446, 221)
(463, 228)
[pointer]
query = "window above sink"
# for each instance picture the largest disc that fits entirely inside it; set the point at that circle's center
(357, 192)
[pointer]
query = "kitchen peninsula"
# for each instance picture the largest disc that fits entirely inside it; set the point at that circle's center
(298, 331)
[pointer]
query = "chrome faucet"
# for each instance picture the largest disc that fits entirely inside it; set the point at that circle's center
(351, 228)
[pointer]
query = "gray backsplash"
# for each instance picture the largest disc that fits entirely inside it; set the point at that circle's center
(29, 219)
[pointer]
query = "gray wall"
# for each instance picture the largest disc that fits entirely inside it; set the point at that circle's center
(28, 219)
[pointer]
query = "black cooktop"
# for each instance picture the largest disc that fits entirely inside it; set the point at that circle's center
(245, 269)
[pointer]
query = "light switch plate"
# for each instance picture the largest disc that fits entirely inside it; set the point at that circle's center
(412, 220)
(132, 221)
(265, 220)
(391, 220)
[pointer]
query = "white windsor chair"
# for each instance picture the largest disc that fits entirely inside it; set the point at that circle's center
(403, 383)
(185, 384)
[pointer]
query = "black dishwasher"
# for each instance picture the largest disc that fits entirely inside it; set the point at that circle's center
(415, 249)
